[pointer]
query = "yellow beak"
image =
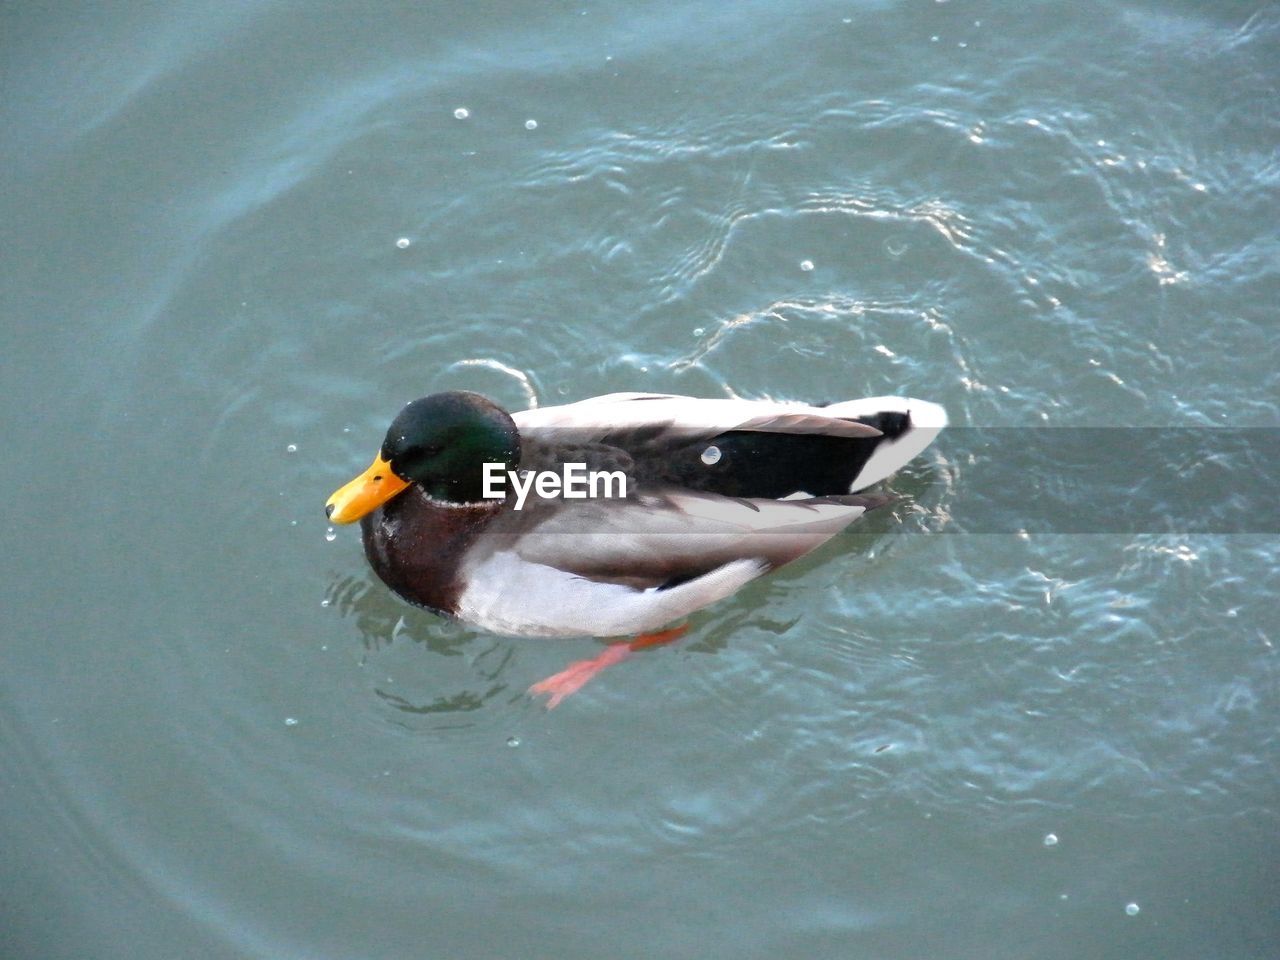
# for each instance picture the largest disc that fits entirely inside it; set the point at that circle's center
(365, 493)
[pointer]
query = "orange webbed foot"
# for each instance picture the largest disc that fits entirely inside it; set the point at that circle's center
(575, 676)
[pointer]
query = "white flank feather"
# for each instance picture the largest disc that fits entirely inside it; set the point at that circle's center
(506, 594)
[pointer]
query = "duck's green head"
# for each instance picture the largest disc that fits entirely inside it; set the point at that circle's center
(441, 443)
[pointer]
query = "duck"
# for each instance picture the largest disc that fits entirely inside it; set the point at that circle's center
(617, 515)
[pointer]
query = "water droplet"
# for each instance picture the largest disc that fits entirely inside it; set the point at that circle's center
(513, 741)
(699, 331)
(290, 721)
(403, 243)
(1050, 839)
(711, 455)
(291, 448)
(293, 523)
(462, 113)
(806, 265)
(531, 124)
(325, 602)
(1132, 909)
(331, 534)
(895, 248)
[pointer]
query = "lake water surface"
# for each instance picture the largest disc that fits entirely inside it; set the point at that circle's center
(1030, 711)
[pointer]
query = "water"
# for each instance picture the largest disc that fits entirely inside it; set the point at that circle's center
(237, 238)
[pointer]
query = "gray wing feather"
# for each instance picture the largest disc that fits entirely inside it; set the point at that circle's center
(663, 537)
(684, 418)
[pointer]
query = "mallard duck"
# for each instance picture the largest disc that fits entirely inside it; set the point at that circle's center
(656, 506)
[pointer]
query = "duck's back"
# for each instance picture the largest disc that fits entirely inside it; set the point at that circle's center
(735, 448)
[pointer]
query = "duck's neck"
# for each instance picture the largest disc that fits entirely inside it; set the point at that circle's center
(463, 491)
(416, 545)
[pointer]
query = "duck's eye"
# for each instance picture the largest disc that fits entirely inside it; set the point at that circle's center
(422, 452)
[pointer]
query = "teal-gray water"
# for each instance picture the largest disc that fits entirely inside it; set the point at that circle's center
(236, 237)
